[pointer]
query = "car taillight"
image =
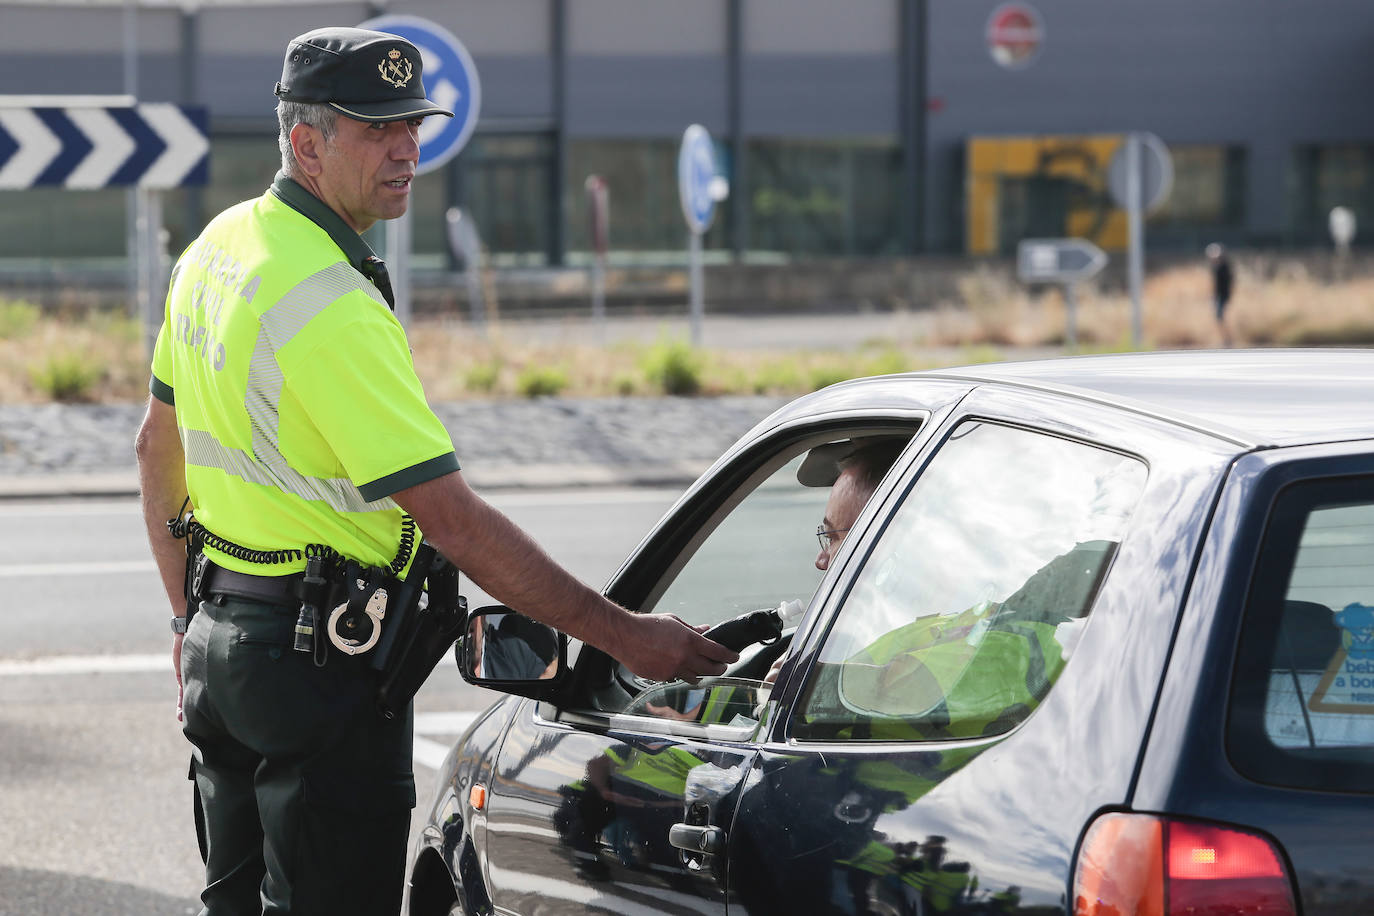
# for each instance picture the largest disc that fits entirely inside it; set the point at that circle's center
(1143, 865)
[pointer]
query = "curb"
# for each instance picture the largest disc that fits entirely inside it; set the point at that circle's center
(121, 484)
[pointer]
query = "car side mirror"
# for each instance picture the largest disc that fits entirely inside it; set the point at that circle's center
(512, 653)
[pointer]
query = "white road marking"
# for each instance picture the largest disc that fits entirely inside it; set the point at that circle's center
(67, 570)
(428, 752)
(444, 723)
(451, 724)
(86, 664)
(48, 508)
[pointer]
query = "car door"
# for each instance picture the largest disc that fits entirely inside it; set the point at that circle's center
(1267, 715)
(618, 800)
(979, 679)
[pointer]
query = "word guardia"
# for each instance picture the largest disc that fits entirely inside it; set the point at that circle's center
(220, 277)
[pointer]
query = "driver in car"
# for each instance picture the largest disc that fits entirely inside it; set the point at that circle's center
(852, 470)
(853, 475)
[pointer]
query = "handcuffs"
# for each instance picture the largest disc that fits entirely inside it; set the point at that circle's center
(366, 603)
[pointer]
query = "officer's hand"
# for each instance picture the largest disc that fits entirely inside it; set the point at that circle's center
(663, 648)
(176, 667)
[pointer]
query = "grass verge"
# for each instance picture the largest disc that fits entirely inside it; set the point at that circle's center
(98, 357)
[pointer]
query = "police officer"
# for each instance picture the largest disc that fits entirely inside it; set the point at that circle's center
(287, 416)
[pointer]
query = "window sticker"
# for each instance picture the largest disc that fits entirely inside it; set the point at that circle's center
(1348, 685)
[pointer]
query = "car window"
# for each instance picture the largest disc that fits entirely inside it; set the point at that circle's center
(758, 549)
(975, 596)
(1303, 696)
(758, 555)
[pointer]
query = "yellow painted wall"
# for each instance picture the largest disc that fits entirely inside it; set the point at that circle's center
(1084, 159)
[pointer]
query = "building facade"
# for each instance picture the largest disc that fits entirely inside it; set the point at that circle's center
(864, 128)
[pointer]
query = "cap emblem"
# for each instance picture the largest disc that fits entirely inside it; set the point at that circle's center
(395, 69)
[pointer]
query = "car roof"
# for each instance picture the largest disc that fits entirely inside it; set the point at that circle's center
(1255, 397)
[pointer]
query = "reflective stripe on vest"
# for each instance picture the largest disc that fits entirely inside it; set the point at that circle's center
(266, 465)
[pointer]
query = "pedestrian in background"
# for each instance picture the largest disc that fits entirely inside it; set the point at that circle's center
(1221, 287)
(285, 413)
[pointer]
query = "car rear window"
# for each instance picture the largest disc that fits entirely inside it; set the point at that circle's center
(1302, 705)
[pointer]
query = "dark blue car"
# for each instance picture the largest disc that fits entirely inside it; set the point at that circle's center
(1101, 642)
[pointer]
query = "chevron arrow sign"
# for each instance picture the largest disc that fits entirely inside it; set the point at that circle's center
(150, 145)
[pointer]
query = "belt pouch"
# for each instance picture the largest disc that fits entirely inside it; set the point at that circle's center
(426, 637)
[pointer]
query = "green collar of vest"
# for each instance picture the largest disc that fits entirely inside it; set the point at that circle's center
(312, 208)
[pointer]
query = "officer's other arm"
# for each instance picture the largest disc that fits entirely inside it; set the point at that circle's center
(501, 558)
(162, 486)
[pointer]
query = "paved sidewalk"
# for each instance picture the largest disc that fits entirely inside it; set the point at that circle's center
(87, 450)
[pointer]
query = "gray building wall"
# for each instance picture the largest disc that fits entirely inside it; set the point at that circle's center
(1263, 74)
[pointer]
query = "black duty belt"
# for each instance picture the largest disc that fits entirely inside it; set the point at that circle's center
(283, 591)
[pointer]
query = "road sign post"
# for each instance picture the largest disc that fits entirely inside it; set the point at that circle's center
(1066, 262)
(1341, 222)
(599, 224)
(700, 188)
(451, 80)
(1140, 176)
(466, 243)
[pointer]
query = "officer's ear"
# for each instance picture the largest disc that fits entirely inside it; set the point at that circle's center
(307, 144)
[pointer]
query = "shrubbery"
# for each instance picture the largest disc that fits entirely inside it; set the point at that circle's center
(541, 381)
(67, 377)
(673, 367)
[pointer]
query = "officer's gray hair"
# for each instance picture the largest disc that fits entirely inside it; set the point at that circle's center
(289, 114)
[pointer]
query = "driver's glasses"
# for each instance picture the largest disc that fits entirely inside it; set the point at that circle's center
(827, 536)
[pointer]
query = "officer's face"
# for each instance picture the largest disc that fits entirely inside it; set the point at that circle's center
(367, 168)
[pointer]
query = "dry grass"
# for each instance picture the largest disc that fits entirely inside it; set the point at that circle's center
(454, 363)
(1275, 304)
(90, 356)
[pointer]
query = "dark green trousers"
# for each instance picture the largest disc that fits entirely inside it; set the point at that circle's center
(306, 789)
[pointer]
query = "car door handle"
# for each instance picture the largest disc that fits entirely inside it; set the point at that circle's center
(709, 840)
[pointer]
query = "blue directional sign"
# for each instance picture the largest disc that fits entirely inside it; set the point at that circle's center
(698, 184)
(152, 145)
(450, 80)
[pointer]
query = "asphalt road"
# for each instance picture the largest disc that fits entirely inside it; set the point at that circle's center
(94, 807)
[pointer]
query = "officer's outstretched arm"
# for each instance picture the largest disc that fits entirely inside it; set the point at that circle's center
(501, 558)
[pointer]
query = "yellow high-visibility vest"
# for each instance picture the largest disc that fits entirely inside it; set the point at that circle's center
(299, 408)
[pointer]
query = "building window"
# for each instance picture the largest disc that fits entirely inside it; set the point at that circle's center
(1323, 177)
(1208, 195)
(46, 224)
(641, 180)
(1059, 186)
(504, 182)
(819, 197)
(1047, 186)
(242, 166)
